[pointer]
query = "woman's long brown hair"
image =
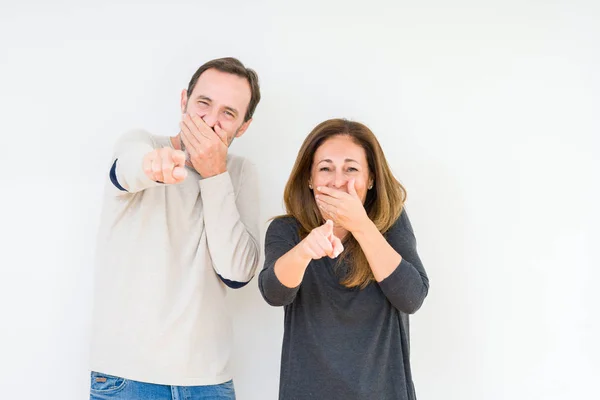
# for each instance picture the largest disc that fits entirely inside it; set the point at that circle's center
(384, 202)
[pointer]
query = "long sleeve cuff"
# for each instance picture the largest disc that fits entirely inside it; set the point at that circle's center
(405, 288)
(274, 292)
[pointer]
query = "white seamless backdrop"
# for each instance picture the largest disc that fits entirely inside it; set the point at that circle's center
(486, 110)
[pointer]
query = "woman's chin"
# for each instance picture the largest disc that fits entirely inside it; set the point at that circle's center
(327, 217)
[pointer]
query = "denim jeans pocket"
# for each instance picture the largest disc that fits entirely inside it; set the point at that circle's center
(103, 383)
(226, 390)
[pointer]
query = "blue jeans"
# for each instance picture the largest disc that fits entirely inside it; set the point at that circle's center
(108, 387)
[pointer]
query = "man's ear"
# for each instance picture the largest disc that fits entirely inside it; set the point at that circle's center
(183, 101)
(243, 128)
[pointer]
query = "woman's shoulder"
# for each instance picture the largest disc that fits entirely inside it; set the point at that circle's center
(284, 225)
(402, 225)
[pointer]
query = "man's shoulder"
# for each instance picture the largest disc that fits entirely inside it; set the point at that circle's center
(238, 165)
(235, 159)
(139, 135)
(134, 134)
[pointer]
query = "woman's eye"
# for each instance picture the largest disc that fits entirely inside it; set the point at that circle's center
(352, 169)
(324, 169)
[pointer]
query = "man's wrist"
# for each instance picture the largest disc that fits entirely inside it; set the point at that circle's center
(211, 174)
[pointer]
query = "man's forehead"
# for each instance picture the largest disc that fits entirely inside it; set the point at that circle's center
(222, 86)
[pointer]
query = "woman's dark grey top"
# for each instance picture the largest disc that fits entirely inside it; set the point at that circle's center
(342, 343)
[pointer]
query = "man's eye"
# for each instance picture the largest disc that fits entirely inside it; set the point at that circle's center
(203, 102)
(229, 114)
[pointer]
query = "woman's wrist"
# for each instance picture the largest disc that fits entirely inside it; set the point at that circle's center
(365, 227)
(300, 254)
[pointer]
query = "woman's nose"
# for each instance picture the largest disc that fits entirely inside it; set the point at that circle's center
(339, 181)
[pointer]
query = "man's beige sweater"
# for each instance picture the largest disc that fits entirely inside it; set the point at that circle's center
(165, 256)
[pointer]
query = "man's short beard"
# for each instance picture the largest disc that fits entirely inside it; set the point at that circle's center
(187, 154)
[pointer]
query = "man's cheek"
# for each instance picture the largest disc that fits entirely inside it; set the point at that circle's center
(225, 135)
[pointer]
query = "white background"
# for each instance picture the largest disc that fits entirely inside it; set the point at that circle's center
(488, 112)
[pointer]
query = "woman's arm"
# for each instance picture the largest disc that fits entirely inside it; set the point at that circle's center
(286, 263)
(393, 258)
(403, 280)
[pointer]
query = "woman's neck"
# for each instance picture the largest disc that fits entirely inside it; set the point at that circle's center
(340, 232)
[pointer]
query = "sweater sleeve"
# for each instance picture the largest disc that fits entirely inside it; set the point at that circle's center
(231, 223)
(126, 172)
(281, 237)
(406, 287)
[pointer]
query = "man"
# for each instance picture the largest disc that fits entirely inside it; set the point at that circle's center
(179, 225)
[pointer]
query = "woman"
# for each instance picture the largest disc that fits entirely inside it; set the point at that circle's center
(343, 262)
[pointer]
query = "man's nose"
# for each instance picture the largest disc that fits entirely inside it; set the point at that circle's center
(211, 118)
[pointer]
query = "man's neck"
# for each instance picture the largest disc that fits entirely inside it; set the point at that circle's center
(176, 141)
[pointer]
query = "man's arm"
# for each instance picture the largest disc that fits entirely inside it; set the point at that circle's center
(136, 165)
(231, 223)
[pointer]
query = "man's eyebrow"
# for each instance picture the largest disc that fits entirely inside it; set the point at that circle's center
(233, 110)
(209, 100)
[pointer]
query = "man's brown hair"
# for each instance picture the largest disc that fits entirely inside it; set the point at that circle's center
(233, 66)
